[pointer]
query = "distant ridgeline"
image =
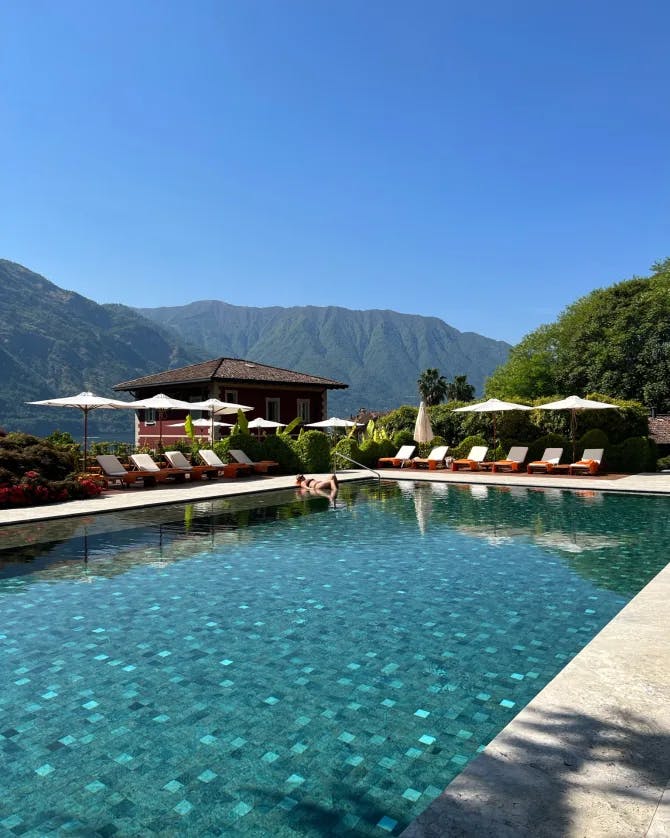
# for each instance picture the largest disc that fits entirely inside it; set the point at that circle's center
(380, 354)
(54, 342)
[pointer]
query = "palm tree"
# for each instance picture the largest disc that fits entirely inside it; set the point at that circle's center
(459, 390)
(432, 386)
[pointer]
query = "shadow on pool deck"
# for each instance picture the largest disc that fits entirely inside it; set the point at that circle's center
(532, 784)
(589, 756)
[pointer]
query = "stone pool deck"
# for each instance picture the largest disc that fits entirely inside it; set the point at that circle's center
(589, 756)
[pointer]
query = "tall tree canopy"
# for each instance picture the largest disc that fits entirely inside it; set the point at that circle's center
(615, 340)
(459, 390)
(432, 386)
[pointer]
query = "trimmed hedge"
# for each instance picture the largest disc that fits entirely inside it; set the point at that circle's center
(349, 447)
(282, 450)
(313, 449)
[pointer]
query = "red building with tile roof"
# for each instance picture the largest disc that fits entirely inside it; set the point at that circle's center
(273, 393)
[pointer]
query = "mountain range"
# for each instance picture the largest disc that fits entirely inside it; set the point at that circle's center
(55, 342)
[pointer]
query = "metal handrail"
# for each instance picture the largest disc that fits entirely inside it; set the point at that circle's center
(356, 463)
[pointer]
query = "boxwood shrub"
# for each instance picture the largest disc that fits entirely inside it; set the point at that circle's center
(313, 449)
(282, 450)
(349, 447)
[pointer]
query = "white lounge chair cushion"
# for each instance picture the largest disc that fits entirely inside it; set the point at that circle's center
(111, 465)
(240, 456)
(551, 455)
(517, 453)
(178, 460)
(595, 454)
(144, 462)
(477, 453)
(209, 458)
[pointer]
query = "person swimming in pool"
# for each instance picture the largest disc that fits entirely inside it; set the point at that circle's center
(321, 487)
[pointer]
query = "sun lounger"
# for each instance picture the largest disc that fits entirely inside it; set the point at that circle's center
(515, 458)
(178, 460)
(115, 472)
(589, 463)
(144, 462)
(550, 458)
(473, 460)
(436, 459)
(209, 458)
(401, 459)
(260, 466)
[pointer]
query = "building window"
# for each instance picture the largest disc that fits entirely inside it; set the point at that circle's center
(272, 410)
(230, 396)
(150, 416)
(303, 409)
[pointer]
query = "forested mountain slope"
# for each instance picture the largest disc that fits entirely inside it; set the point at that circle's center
(378, 353)
(54, 342)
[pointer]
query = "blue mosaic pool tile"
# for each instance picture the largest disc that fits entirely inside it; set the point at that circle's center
(287, 643)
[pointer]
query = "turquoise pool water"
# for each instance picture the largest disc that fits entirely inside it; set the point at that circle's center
(274, 666)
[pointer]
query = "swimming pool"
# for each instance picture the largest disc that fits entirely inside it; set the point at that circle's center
(273, 666)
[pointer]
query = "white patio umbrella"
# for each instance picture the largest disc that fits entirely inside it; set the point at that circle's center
(160, 403)
(491, 406)
(259, 423)
(573, 404)
(86, 402)
(216, 407)
(219, 407)
(202, 423)
(423, 431)
(333, 422)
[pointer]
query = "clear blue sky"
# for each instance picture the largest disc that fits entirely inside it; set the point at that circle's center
(487, 163)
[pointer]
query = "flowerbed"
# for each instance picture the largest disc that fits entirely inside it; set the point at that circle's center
(33, 490)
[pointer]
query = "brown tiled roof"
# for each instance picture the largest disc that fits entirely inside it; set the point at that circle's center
(229, 370)
(659, 429)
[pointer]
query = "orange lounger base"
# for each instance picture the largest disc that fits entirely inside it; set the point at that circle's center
(473, 465)
(264, 466)
(548, 467)
(202, 472)
(585, 467)
(236, 470)
(512, 465)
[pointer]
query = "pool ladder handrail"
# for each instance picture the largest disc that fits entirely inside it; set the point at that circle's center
(356, 463)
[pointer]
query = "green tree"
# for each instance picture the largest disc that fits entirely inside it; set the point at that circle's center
(459, 390)
(432, 386)
(615, 340)
(530, 370)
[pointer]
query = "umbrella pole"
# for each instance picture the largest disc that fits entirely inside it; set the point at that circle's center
(85, 437)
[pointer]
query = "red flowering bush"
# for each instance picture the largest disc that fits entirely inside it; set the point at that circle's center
(19, 487)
